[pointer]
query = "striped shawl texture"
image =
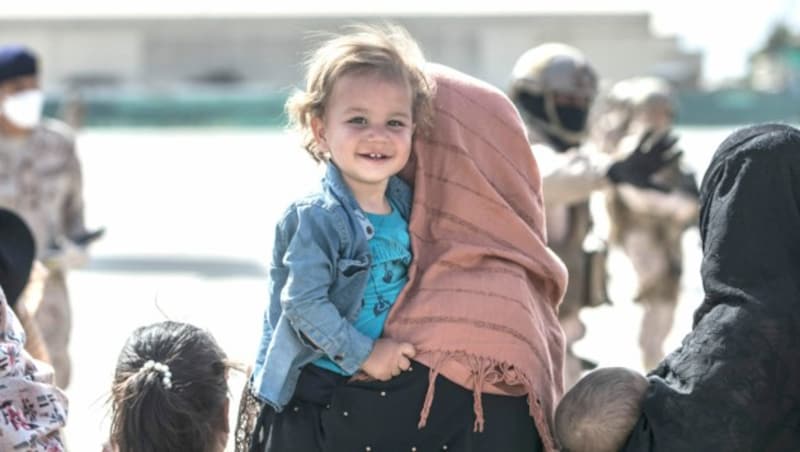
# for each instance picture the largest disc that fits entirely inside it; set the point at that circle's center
(481, 302)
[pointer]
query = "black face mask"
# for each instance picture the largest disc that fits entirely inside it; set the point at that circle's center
(572, 118)
(533, 105)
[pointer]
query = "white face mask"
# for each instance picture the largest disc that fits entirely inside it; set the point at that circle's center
(24, 109)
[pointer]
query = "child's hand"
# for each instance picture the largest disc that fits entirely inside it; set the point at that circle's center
(388, 358)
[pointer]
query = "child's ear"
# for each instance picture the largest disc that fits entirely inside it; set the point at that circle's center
(318, 129)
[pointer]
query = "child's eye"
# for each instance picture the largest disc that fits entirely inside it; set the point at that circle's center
(396, 123)
(357, 120)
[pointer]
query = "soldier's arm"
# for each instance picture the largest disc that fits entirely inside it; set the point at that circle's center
(72, 209)
(570, 177)
(68, 248)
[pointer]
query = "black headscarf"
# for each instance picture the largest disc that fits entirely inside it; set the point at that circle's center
(734, 384)
(750, 217)
(17, 251)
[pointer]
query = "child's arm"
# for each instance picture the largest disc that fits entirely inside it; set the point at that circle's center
(311, 244)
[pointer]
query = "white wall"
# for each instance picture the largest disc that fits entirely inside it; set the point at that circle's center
(269, 51)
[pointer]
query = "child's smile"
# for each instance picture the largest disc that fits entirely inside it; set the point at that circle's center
(367, 128)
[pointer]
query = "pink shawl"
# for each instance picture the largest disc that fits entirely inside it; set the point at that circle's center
(483, 290)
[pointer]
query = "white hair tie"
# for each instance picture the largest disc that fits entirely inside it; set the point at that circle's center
(161, 368)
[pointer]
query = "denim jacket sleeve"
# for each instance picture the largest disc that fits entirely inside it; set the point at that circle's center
(310, 257)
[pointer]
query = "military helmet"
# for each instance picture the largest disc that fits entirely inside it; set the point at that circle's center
(554, 68)
(542, 73)
(647, 103)
(644, 93)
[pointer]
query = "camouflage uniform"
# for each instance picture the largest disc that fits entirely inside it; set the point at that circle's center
(568, 180)
(570, 174)
(40, 178)
(648, 224)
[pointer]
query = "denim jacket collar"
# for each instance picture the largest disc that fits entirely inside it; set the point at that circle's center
(334, 182)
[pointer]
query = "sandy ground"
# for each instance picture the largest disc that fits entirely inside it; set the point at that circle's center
(190, 217)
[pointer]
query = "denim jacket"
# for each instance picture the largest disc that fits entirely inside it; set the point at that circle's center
(319, 270)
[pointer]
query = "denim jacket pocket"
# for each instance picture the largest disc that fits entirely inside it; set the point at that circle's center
(351, 267)
(347, 292)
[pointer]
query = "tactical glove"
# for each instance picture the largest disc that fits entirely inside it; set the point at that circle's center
(653, 153)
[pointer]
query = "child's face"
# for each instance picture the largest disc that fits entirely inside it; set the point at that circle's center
(367, 129)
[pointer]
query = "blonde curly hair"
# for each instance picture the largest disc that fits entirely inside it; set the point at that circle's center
(386, 50)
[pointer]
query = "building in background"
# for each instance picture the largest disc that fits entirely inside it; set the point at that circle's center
(155, 52)
(770, 92)
(776, 67)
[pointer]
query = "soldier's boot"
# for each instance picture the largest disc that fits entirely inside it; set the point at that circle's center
(656, 325)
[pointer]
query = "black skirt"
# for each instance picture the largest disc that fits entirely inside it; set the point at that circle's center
(328, 414)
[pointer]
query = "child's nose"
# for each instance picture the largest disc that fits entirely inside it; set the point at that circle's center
(378, 132)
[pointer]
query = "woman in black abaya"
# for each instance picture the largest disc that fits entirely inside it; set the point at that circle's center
(734, 384)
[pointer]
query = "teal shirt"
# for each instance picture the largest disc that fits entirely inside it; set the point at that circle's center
(391, 255)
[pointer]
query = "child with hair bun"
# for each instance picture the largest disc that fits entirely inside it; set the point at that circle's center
(170, 391)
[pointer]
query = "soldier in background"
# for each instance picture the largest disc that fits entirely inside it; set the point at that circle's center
(648, 224)
(40, 179)
(22, 278)
(554, 86)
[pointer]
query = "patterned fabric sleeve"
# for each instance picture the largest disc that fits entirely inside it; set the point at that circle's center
(32, 409)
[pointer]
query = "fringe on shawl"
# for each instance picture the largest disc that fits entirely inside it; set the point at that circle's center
(485, 371)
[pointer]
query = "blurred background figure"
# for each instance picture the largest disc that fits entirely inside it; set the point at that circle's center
(32, 410)
(22, 278)
(554, 86)
(40, 178)
(648, 223)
